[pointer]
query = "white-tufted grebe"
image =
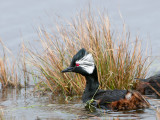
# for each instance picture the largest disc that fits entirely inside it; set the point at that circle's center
(83, 63)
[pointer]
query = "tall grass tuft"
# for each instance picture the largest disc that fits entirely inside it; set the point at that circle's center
(118, 59)
(8, 72)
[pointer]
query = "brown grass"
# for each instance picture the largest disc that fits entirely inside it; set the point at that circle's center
(118, 59)
(8, 72)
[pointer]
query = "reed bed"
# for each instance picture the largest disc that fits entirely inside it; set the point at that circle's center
(118, 58)
(8, 72)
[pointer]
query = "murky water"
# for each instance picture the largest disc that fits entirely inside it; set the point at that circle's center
(27, 105)
(19, 18)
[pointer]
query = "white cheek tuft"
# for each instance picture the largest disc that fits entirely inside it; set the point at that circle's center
(87, 63)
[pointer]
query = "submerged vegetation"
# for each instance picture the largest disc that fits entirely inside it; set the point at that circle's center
(118, 58)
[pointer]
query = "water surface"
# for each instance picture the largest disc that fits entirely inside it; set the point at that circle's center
(27, 105)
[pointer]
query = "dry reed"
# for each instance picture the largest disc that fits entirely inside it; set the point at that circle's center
(118, 59)
(8, 72)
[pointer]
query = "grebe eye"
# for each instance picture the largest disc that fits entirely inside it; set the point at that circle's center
(77, 64)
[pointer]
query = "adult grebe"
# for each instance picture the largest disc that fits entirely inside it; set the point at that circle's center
(83, 63)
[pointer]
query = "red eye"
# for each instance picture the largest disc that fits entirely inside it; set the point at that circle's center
(77, 64)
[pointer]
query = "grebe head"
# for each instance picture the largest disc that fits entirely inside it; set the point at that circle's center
(82, 63)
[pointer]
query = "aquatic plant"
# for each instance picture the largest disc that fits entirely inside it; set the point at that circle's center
(117, 57)
(8, 72)
(158, 113)
(1, 114)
